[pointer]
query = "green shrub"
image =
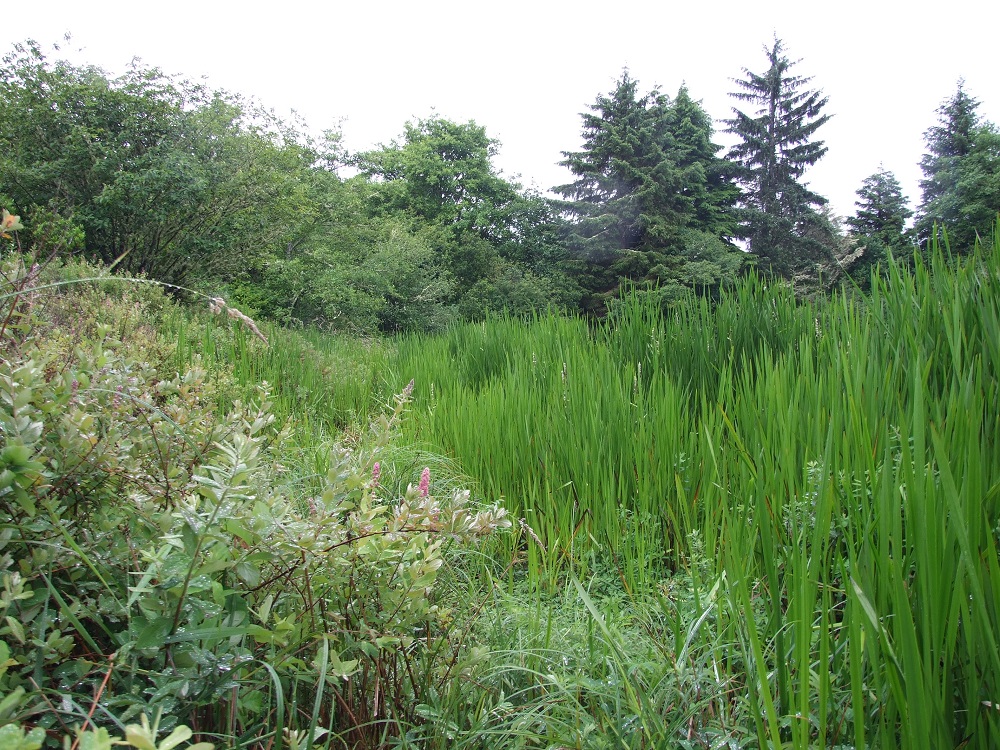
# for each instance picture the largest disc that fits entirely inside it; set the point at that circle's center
(154, 558)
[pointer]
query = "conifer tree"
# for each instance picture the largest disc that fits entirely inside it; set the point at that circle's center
(776, 147)
(610, 201)
(882, 211)
(647, 177)
(708, 193)
(961, 185)
(948, 143)
(879, 224)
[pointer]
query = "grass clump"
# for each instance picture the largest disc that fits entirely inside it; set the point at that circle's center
(836, 460)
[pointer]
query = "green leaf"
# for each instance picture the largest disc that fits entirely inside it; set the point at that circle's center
(15, 455)
(261, 635)
(12, 737)
(11, 701)
(248, 573)
(154, 634)
(139, 737)
(180, 734)
(5, 661)
(16, 629)
(96, 739)
(26, 501)
(264, 613)
(207, 633)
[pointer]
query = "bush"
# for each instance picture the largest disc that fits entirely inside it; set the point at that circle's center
(153, 557)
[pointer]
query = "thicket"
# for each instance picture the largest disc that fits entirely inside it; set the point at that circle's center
(204, 189)
(157, 561)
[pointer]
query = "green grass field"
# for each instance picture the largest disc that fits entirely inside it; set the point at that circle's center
(760, 523)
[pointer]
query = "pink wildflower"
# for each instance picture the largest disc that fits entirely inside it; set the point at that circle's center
(408, 390)
(425, 481)
(376, 473)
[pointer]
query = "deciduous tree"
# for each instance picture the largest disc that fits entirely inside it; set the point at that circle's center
(171, 178)
(486, 229)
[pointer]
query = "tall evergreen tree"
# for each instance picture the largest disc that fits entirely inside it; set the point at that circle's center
(647, 176)
(882, 211)
(879, 224)
(612, 197)
(948, 143)
(961, 185)
(776, 147)
(979, 186)
(708, 193)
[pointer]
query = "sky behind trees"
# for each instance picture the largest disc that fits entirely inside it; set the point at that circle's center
(526, 70)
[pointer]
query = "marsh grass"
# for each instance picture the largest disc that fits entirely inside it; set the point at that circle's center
(756, 523)
(836, 462)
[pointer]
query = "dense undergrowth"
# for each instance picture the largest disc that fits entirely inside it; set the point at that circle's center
(759, 523)
(159, 559)
(835, 464)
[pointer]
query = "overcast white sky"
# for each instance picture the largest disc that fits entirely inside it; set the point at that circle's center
(527, 69)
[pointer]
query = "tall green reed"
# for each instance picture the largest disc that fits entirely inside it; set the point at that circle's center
(837, 462)
(830, 470)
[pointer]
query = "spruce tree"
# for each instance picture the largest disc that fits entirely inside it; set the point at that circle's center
(776, 147)
(948, 143)
(647, 176)
(881, 211)
(961, 185)
(708, 193)
(880, 220)
(979, 188)
(611, 198)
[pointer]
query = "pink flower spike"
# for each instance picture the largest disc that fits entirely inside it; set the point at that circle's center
(376, 472)
(425, 481)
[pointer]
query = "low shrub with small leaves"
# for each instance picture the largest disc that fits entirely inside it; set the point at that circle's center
(156, 560)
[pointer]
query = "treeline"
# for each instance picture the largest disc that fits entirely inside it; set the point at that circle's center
(203, 189)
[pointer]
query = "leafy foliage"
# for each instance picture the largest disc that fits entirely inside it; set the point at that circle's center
(162, 175)
(486, 232)
(154, 540)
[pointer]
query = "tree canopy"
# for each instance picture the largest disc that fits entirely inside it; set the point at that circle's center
(486, 230)
(164, 175)
(208, 191)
